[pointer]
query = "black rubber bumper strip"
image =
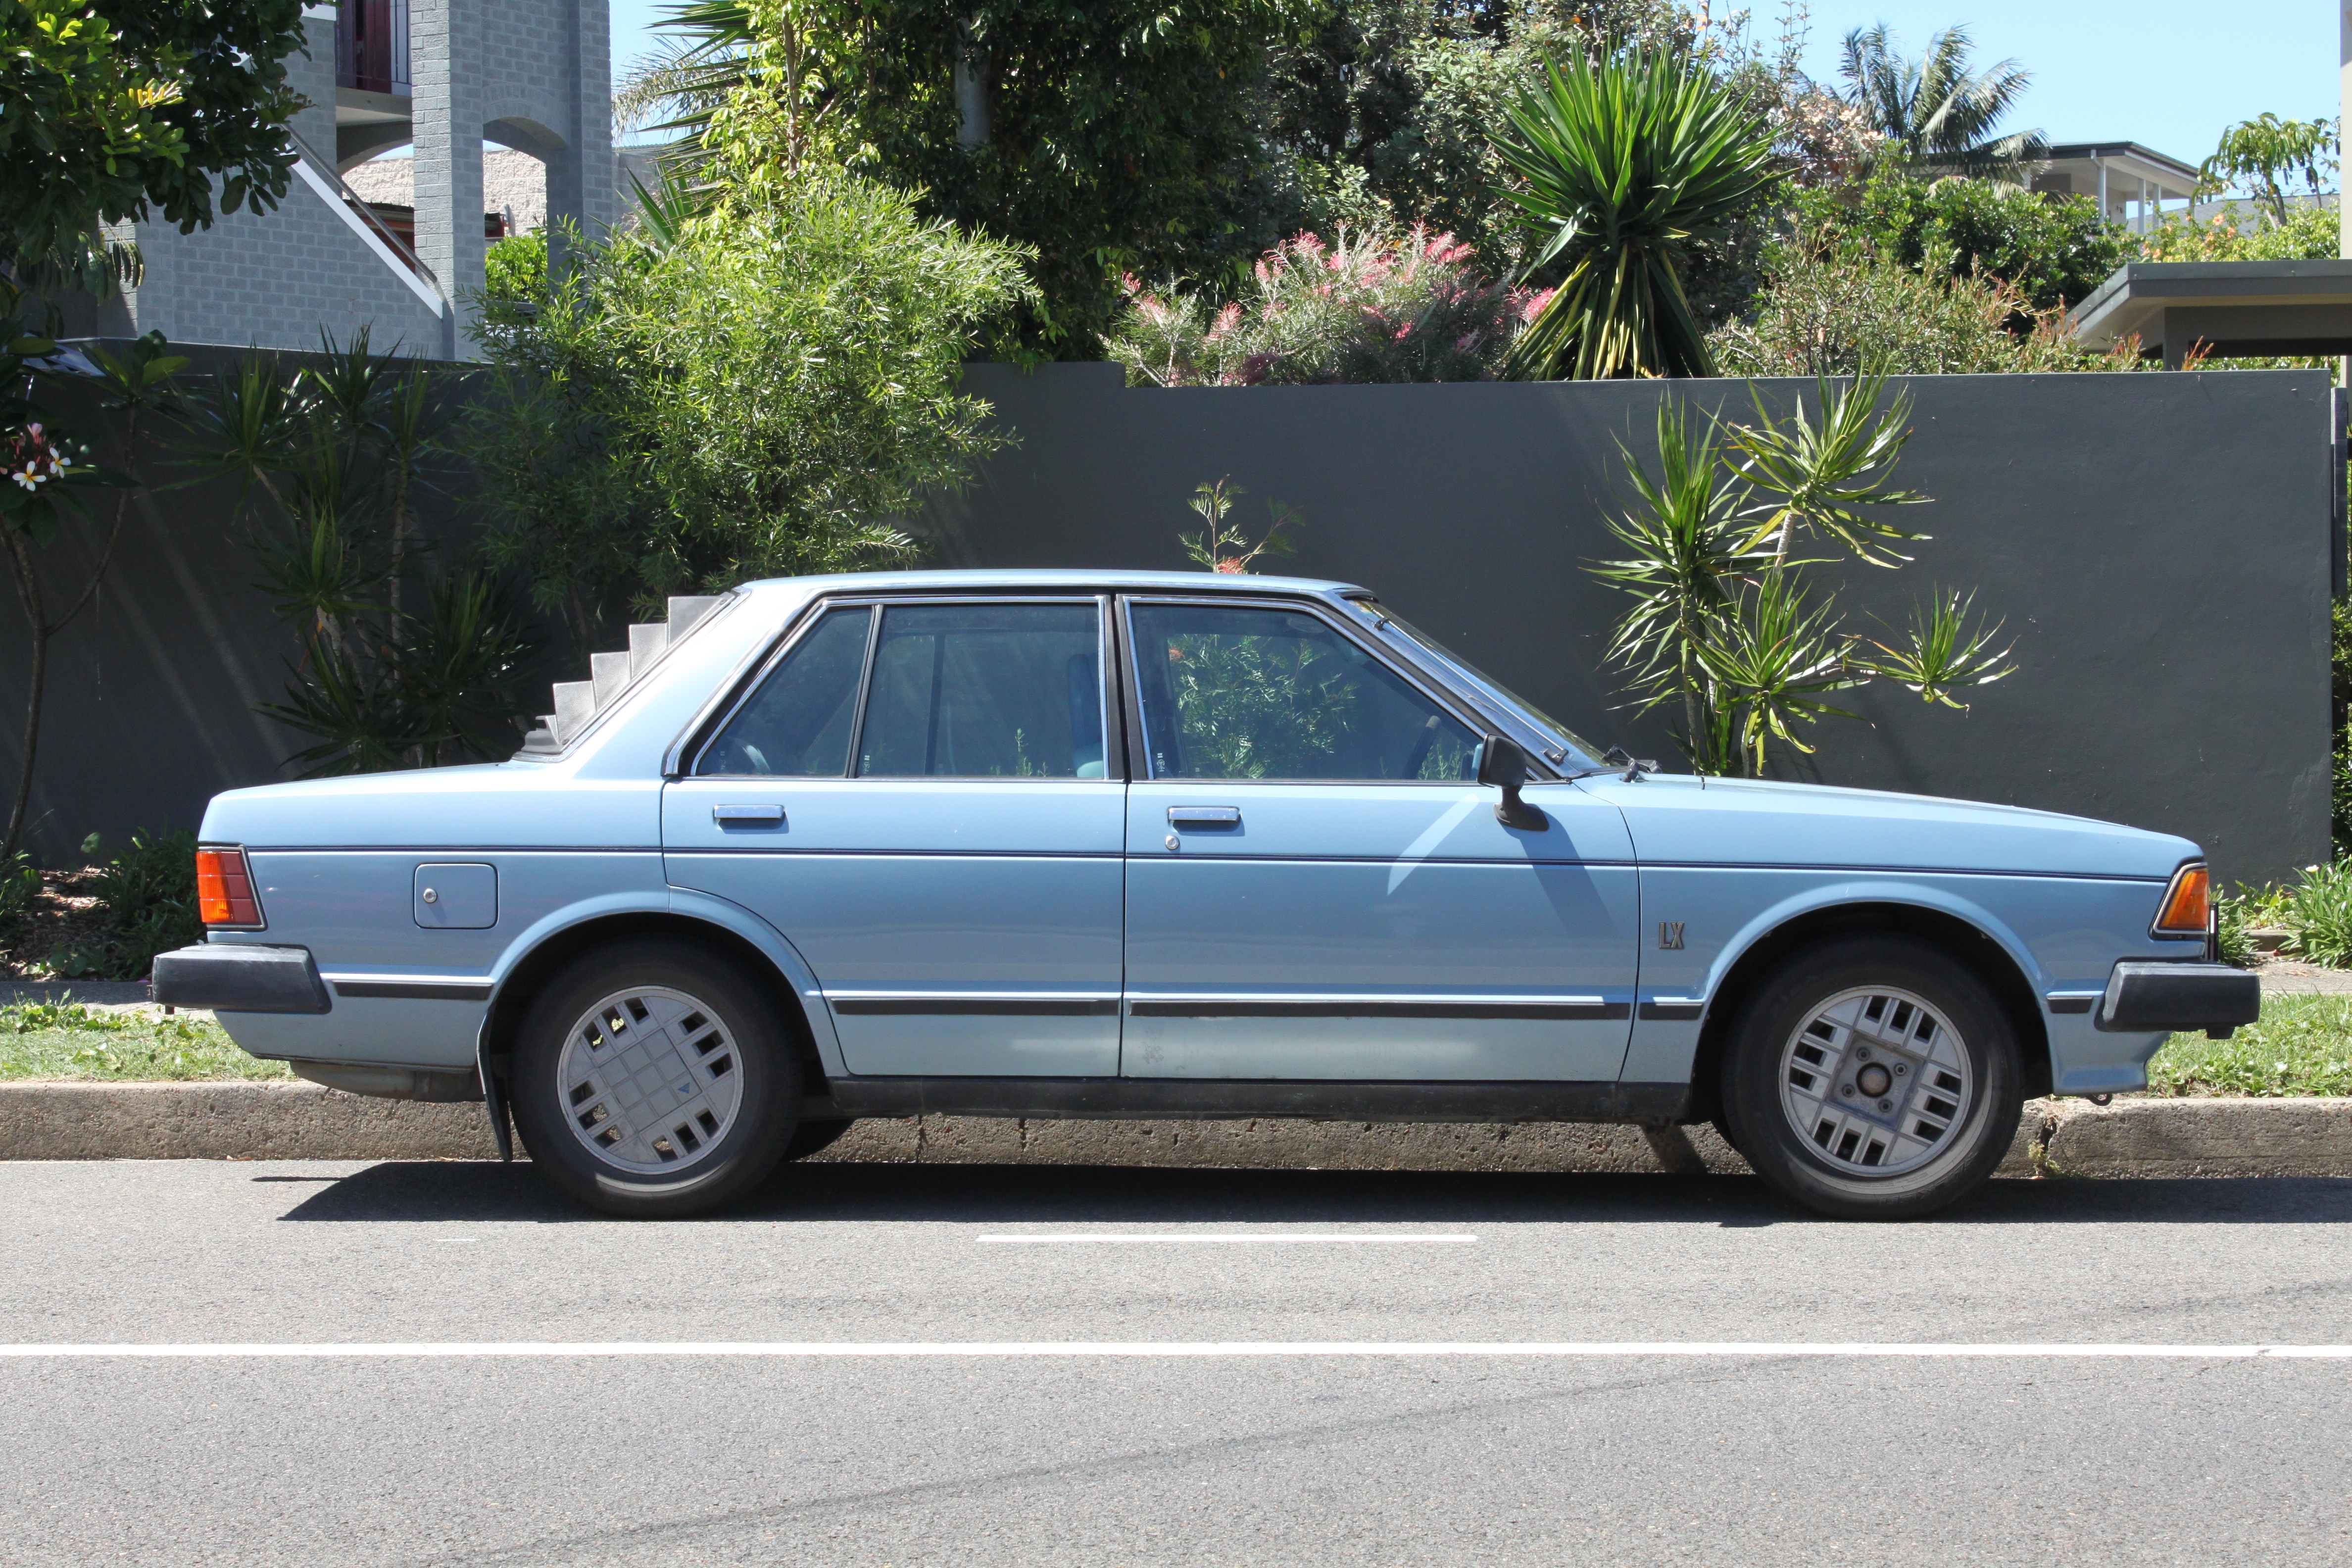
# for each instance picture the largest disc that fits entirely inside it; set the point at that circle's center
(240, 977)
(2144, 995)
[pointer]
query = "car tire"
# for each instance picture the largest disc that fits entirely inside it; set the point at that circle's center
(1872, 1077)
(810, 1137)
(653, 1080)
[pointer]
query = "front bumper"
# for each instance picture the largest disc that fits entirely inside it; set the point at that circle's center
(240, 977)
(2144, 996)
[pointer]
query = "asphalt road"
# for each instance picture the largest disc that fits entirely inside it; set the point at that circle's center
(442, 1458)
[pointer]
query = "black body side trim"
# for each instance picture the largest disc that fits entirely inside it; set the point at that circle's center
(978, 1006)
(1356, 1009)
(240, 977)
(414, 990)
(1334, 1100)
(2070, 1003)
(1673, 1012)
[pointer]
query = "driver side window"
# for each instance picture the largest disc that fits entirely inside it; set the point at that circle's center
(1244, 693)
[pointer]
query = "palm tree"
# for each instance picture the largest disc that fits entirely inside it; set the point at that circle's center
(1624, 164)
(1937, 115)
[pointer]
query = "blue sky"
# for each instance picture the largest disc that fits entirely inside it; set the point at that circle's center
(2167, 74)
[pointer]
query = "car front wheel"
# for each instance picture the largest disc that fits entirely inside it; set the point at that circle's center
(1874, 1077)
(651, 1080)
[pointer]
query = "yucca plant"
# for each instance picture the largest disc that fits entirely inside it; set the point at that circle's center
(1624, 164)
(1722, 625)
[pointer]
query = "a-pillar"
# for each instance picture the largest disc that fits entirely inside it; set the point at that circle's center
(445, 55)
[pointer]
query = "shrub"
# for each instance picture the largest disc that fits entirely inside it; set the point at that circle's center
(149, 894)
(1361, 308)
(20, 884)
(2054, 251)
(743, 392)
(514, 271)
(2318, 911)
(1832, 305)
(2309, 234)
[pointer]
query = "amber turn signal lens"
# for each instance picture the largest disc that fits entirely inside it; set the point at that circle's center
(2187, 907)
(224, 889)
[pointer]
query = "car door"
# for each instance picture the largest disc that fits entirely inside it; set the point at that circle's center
(1316, 889)
(915, 793)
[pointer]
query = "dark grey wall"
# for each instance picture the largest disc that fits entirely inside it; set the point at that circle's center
(151, 690)
(2157, 544)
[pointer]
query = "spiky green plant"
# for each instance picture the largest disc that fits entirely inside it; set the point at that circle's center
(1624, 163)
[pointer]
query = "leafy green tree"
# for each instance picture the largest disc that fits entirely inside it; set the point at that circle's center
(2262, 152)
(2054, 251)
(122, 109)
(1936, 114)
(758, 390)
(1104, 135)
(1625, 162)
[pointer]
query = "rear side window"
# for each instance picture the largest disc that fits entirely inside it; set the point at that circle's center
(985, 691)
(798, 724)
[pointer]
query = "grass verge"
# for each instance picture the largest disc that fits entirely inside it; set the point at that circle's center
(68, 1040)
(2303, 1046)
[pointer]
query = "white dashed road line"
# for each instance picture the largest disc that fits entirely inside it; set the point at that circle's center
(1147, 1348)
(1265, 1238)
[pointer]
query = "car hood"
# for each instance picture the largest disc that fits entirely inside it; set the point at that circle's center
(1677, 819)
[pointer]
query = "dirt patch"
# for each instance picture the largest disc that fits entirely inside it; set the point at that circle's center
(67, 918)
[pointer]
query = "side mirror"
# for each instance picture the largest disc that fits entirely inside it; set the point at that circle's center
(1501, 763)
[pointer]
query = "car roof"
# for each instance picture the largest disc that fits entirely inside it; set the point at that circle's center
(1186, 582)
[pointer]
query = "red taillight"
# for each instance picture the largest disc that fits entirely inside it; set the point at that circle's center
(2187, 907)
(224, 889)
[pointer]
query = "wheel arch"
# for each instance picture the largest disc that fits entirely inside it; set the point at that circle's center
(1964, 940)
(542, 959)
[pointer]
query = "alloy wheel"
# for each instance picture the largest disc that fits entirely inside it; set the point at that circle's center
(1875, 1080)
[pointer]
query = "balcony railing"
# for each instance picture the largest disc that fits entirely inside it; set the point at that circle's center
(371, 45)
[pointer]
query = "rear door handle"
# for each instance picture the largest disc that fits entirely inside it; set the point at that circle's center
(1205, 816)
(748, 815)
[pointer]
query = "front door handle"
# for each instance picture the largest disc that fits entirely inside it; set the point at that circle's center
(748, 815)
(1205, 816)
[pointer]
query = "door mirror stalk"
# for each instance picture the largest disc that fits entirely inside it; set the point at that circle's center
(1502, 763)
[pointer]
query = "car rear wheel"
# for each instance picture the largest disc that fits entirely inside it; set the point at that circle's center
(1872, 1078)
(651, 1080)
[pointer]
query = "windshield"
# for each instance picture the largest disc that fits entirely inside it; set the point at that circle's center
(1389, 621)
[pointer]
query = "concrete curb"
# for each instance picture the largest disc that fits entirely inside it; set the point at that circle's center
(305, 1121)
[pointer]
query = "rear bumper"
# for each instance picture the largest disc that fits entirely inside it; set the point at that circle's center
(240, 977)
(2142, 996)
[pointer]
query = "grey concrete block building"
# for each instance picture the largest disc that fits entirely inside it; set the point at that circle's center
(444, 75)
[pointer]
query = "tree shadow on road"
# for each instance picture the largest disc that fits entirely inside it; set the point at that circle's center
(1094, 1194)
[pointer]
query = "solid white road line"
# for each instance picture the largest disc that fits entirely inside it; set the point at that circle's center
(1017, 1348)
(1255, 1238)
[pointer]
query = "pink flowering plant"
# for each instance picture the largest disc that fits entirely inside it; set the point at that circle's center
(1358, 307)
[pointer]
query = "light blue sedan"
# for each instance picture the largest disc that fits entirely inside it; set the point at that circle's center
(1153, 845)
